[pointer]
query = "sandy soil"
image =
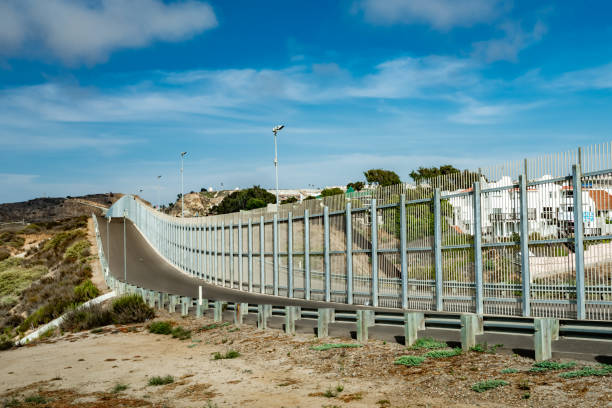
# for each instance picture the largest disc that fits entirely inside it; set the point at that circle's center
(273, 370)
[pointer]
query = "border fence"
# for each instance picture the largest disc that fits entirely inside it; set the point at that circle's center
(530, 237)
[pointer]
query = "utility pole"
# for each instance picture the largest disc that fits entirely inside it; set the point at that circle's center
(275, 131)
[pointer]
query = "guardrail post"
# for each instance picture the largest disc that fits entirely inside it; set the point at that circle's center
(250, 253)
(306, 255)
(240, 266)
(172, 304)
(413, 322)
(161, 300)
(323, 319)
(185, 303)
(403, 263)
(471, 326)
(438, 251)
(326, 254)
(218, 313)
(275, 254)
(290, 254)
(262, 257)
(231, 254)
(365, 319)
(525, 275)
(546, 330)
(374, 256)
(263, 312)
(349, 254)
(478, 249)
(292, 313)
(240, 309)
(579, 241)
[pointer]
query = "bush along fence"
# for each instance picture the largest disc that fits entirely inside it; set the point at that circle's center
(527, 238)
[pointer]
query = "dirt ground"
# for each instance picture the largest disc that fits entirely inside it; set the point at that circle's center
(97, 277)
(273, 370)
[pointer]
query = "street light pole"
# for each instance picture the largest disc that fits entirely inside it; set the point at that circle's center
(158, 189)
(275, 131)
(182, 192)
(125, 212)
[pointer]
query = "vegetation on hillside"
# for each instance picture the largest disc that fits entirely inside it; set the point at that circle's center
(254, 197)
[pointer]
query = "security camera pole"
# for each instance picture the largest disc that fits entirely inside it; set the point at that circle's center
(182, 193)
(275, 131)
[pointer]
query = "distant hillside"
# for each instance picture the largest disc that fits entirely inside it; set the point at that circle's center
(53, 209)
(198, 203)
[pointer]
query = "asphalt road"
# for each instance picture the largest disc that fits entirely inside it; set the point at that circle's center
(146, 268)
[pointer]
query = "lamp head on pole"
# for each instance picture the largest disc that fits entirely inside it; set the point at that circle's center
(277, 128)
(182, 155)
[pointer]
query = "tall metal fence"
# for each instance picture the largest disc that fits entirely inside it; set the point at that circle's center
(530, 237)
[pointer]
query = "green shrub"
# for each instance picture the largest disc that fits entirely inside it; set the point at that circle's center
(4, 254)
(428, 343)
(161, 380)
(77, 251)
(328, 346)
(35, 399)
(411, 361)
(86, 318)
(213, 326)
(85, 291)
(52, 310)
(181, 333)
(550, 366)
(5, 342)
(60, 241)
(509, 371)
(443, 353)
(160, 328)
(483, 386)
(119, 387)
(228, 355)
(602, 370)
(131, 309)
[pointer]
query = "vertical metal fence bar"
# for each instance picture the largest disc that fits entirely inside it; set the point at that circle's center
(223, 253)
(403, 263)
(525, 275)
(240, 254)
(306, 256)
(289, 254)
(275, 254)
(231, 254)
(578, 241)
(478, 249)
(250, 251)
(438, 250)
(326, 254)
(349, 254)
(374, 244)
(262, 258)
(216, 257)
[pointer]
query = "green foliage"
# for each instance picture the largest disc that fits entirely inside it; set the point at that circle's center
(356, 185)
(52, 310)
(328, 346)
(289, 200)
(15, 278)
(213, 326)
(5, 342)
(328, 192)
(509, 371)
(181, 333)
(411, 361)
(161, 380)
(254, 197)
(602, 370)
(310, 198)
(382, 177)
(119, 387)
(229, 354)
(428, 343)
(131, 309)
(160, 328)
(85, 291)
(77, 251)
(11, 239)
(425, 173)
(486, 385)
(4, 254)
(550, 365)
(60, 241)
(443, 353)
(484, 348)
(35, 399)
(86, 318)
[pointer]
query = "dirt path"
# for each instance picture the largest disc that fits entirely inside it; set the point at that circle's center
(96, 267)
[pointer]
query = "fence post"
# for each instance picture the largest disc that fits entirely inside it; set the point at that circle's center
(206, 256)
(438, 250)
(275, 254)
(250, 251)
(374, 242)
(306, 256)
(290, 254)
(216, 264)
(323, 319)
(403, 263)
(579, 241)
(326, 254)
(240, 253)
(525, 275)
(223, 271)
(262, 257)
(231, 254)
(478, 249)
(349, 255)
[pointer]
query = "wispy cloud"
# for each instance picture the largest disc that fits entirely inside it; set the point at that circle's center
(89, 31)
(508, 47)
(596, 78)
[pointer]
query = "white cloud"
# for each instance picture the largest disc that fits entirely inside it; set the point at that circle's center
(440, 14)
(508, 47)
(597, 78)
(78, 31)
(477, 113)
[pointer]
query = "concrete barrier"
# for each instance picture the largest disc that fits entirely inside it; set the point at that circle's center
(365, 319)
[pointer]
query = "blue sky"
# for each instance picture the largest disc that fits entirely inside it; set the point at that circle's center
(103, 95)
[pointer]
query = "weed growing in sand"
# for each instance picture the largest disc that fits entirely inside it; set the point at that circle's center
(443, 353)
(36, 399)
(550, 365)
(484, 348)
(486, 385)
(228, 355)
(119, 387)
(523, 384)
(213, 326)
(604, 369)
(181, 333)
(509, 371)
(428, 343)
(411, 361)
(161, 380)
(160, 327)
(328, 346)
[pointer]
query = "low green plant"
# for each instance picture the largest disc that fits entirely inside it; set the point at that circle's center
(509, 371)
(160, 327)
(131, 309)
(328, 346)
(77, 251)
(542, 366)
(523, 384)
(87, 318)
(330, 393)
(181, 333)
(428, 343)
(484, 348)
(230, 354)
(443, 353)
(486, 385)
(35, 399)
(119, 387)
(600, 371)
(161, 380)
(50, 332)
(339, 388)
(13, 402)
(85, 291)
(213, 326)
(411, 361)
(5, 342)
